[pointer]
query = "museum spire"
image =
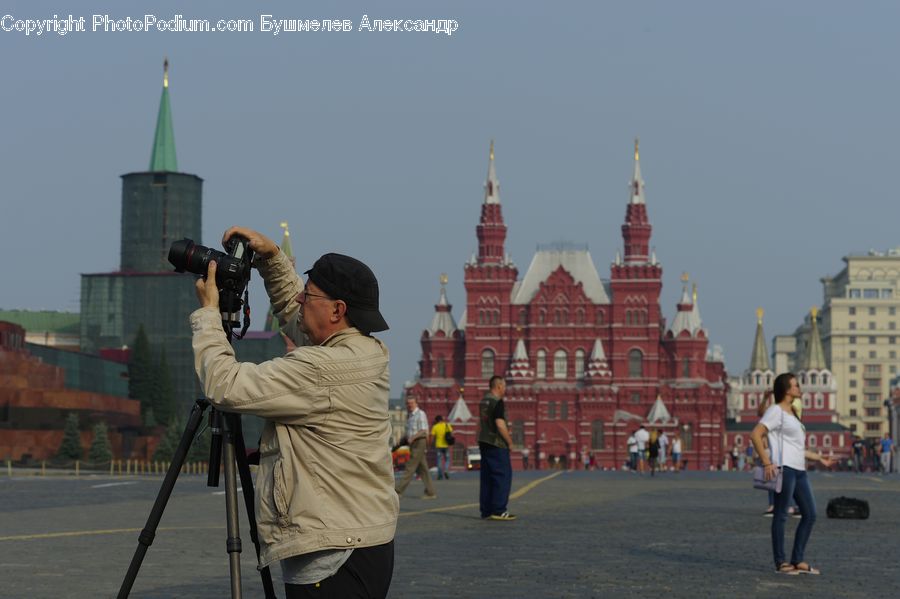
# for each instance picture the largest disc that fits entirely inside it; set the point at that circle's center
(162, 158)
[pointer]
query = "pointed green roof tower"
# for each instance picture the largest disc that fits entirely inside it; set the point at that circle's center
(162, 158)
(815, 356)
(759, 359)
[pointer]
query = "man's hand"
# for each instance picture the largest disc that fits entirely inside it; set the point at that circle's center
(827, 462)
(207, 292)
(259, 243)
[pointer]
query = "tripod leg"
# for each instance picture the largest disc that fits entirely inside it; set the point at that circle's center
(247, 485)
(145, 539)
(233, 544)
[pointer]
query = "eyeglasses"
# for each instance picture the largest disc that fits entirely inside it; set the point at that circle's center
(303, 295)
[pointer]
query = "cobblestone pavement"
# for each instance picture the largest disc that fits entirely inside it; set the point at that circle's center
(579, 534)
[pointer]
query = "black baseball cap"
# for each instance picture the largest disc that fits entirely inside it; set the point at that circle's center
(348, 279)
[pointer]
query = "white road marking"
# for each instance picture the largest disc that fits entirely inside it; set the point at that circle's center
(131, 482)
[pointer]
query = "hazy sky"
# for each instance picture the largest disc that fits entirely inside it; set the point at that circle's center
(768, 138)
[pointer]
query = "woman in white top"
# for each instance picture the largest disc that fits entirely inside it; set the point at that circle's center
(787, 448)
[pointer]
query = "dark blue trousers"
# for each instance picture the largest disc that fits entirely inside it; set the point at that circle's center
(794, 484)
(496, 480)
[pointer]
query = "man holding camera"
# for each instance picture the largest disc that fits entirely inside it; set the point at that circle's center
(325, 501)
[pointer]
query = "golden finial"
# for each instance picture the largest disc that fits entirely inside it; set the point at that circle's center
(444, 278)
(759, 315)
(684, 277)
(813, 312)
(284, 226)
(492, 150)
(637, 155)
(695, 293)
(166, 72)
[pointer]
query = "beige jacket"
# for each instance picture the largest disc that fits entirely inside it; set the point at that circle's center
(325, 477)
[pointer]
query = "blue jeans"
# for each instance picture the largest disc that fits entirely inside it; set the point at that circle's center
(442, 457)
(496, 480)
(794, 484)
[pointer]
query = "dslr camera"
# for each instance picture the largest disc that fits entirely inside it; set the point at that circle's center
(232, 274)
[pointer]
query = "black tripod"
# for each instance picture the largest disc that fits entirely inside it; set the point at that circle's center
(234, 454)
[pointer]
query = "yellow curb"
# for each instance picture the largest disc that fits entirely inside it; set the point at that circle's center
(110, 531)
(466, 506)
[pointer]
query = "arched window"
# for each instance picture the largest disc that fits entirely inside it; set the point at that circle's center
(812, 440)
(824, 379)
(441, 367)
(551, 410)
(579, 363)
(564, 410)
(813, 379)
(635, 364)
(826, 441)
(541, 365)
(597, 435)
(686, 368)
(579, 315)
(487, 364)
(542, 316)
(627, 316)
(523, 316)
(560, 364)
(599, 317)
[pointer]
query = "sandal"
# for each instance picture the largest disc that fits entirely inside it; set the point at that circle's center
(786, 568)
(804, 568)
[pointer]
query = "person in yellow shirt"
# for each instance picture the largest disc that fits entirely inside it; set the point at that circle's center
(439, 432)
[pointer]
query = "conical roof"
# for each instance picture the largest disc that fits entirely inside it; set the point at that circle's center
(162, 157)
(492, 185)
(759, 358)
(443, 319)
(658, 413)
(815, 355)
(637, 182)
(460, 411)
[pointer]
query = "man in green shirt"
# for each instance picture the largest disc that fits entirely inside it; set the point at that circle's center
(494, 442)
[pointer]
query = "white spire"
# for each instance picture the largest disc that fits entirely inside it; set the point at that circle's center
(460, 411)
(658, 413)
(687, 318)
(443, 319)
(636, 188)
(492, 185)
(519, 367)
(597, 365)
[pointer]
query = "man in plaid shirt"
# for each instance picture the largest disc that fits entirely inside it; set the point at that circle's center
(416, 435)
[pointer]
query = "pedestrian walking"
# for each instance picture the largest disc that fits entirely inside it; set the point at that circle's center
(439, 431)
(858, 455)
(642, 436)
(525, 454)
(416, 436)
(654, 452)
(887, 452)
(787, 450)
(632, 452)
(663, 450)
(676, 451)
(494, 442)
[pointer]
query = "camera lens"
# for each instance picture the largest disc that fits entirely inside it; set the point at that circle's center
(185, 255)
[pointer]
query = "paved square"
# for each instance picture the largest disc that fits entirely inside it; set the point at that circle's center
(579, 534)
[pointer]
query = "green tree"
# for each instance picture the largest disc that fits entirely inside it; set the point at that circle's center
(70, 448)
(165, 451)
(100, 451)
(163, 391)
(141, 372)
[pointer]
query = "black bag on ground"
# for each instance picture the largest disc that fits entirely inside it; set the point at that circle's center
(848, 507)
